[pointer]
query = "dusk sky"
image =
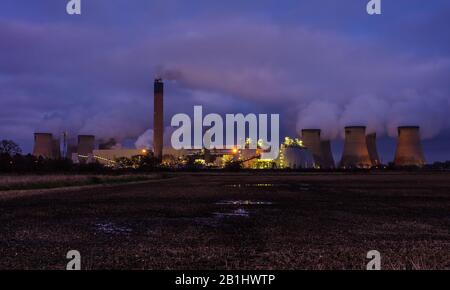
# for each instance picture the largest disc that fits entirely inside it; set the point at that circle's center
(318, 63)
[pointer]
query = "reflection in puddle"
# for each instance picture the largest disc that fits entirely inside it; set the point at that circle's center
(235, 213)
(239, 185)
(260, 185)
(243, 202)
(112, 229)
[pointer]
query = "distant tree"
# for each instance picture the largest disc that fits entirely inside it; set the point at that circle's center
(9, 147)
(124, 163)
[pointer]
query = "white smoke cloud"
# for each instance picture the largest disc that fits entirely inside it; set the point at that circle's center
(145, 141)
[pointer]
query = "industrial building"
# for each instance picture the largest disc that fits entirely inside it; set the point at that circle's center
(371, 141)
(356, 154)
(409, 147)
(360, 150)
(294, 155)
(327, 155)
(45, 146)
(311, 140)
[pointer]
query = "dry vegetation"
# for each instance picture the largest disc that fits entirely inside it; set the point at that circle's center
(24, 182)
(304, 222)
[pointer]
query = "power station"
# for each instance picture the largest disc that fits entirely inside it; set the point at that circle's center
(310, 151)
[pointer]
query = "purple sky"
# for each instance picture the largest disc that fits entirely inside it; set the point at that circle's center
(319, 63)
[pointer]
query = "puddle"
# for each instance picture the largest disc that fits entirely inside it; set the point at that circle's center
(235, 213)
(112, 229)
(257, 185)
(239, 185)
(243, 202)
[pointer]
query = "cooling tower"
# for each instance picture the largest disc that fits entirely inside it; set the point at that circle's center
(296, 158)
(43, 145)
(158, 119)
(311, 139)
(86, 144)
(371, 141)
(327, 156)
(409, 148)
(56, 148)
(355, 153)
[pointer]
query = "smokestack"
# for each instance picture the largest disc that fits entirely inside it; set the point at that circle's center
(327, 156)
(86, 145)
(409, 148)
(158, 119)
(371, 141)
(43, 145)
(355, 153)
(311, 139)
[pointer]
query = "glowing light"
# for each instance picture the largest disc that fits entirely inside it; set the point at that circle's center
(235, 150)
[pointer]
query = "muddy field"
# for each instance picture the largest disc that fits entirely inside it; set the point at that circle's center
(234, 221)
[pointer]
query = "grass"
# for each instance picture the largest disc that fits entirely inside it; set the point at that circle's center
(321, 221)
(29, 182)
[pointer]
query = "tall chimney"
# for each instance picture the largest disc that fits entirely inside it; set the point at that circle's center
(43, 145)
(409, 147)
(355, 153)
(311, 139)
(158, 119)
(371, 140)
(86, 145)
(327, 156)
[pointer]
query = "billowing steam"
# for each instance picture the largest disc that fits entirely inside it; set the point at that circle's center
(377, 114)
(145, 141)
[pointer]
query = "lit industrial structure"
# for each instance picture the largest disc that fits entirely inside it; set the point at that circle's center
(356, 154)
(294, 155)
(360, 151)
(409, 147)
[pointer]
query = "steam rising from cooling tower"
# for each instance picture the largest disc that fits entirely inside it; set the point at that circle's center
(409, 147)
(356, 154)
(158, 119)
